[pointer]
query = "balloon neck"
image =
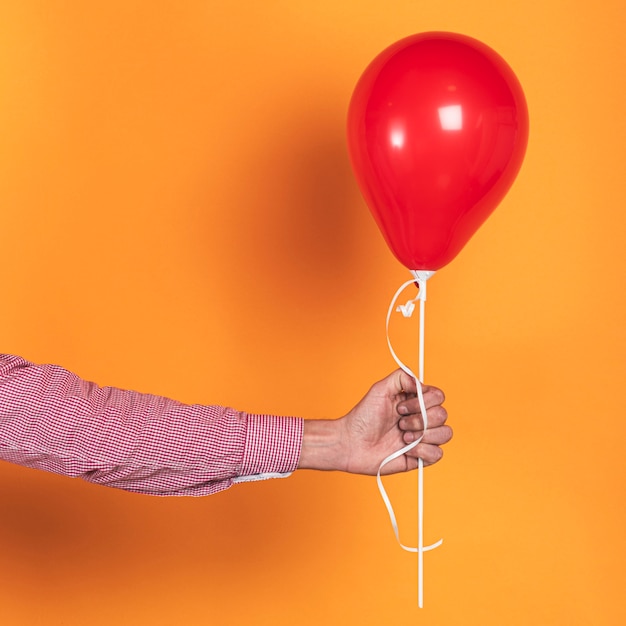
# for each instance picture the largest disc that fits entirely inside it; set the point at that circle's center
(422, 275)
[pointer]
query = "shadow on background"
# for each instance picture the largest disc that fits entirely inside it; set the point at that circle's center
(302, 235)
(57, 533)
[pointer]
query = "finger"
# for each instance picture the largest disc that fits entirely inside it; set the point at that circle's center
(437, 436)
(432, 397)
(437, 415)
(429, 453)
(410, 407)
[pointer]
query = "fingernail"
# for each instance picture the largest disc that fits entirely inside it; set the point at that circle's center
(402, 410)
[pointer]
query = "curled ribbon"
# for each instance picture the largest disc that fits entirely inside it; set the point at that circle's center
(407, 310)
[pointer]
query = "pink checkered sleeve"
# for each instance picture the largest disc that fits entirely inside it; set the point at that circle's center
(52, 420)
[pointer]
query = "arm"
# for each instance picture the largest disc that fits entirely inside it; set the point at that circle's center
(52, 420)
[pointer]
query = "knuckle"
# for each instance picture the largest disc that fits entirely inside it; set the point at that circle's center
(437, 394)
(436, 454)
(437, 416)
(447, 433)
(430, 453)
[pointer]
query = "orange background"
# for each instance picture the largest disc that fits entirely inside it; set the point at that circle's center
(178, 216)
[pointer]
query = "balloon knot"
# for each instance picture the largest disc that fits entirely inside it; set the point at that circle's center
(406, 309)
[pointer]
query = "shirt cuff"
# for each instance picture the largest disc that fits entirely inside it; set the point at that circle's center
(273, 446)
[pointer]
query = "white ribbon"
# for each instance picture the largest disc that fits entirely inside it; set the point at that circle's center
(407, 310)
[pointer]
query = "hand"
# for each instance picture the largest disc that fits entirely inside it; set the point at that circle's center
(383, 422)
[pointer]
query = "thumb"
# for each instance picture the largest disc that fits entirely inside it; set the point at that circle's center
(399, 382)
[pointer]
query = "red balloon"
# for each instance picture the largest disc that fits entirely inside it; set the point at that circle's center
(437, 131)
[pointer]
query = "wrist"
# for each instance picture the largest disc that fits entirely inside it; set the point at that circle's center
(321, 445)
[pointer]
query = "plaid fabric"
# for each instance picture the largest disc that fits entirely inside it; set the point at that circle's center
(51, 419)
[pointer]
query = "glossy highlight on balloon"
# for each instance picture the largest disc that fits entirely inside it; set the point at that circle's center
(437, 132)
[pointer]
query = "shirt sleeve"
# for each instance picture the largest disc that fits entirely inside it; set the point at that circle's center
(51, 419)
